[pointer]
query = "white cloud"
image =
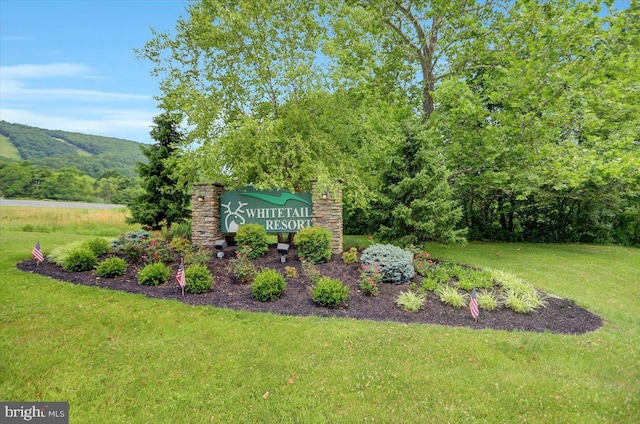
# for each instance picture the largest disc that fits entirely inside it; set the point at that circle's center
(51, 70)
(56, 95)
(132, 124)
(14, 84)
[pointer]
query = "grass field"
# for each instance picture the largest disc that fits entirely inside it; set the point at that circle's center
(122, 358)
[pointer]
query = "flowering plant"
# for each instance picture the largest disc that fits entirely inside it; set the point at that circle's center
(423, 263)
(242, 267)
(370, 277)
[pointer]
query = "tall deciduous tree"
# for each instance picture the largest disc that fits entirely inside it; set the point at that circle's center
(539, 129)
(163, 201)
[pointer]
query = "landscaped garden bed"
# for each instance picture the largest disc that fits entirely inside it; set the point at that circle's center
(556, 316)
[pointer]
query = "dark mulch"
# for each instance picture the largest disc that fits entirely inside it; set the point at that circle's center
(559, 316)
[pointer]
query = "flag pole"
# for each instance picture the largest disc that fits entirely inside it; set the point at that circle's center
(182, 264)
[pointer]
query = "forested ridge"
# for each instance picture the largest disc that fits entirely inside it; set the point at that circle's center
(56, 149)
(51, 164)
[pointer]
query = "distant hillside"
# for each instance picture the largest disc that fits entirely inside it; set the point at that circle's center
(58, 149)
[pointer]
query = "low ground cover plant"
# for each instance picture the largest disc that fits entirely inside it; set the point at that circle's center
(487, 300)
(410, 301)
(330, 292)
(450, 295)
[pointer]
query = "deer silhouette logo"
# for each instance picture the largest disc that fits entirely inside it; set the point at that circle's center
(234, 219)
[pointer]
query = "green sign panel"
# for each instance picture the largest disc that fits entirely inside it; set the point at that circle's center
(277, 211)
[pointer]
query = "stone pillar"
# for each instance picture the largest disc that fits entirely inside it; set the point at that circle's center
(205, 214)
(327, 212)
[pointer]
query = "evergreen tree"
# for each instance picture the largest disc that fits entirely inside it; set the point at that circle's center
(416, 203)
(163, 201)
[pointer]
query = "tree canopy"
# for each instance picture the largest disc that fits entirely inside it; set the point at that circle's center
(528, 110)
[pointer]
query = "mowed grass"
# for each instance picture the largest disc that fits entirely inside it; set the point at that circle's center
(122, 358)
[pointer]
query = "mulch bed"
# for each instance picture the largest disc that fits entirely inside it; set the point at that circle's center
(559, 316)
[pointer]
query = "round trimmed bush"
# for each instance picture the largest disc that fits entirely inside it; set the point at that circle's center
(268, 285)
(153, 274)
(253, 236)
(199, 279)
(80, 259)
(314, 244)
(330, 292)
(395, 264)
(111, 268)
(99, 246)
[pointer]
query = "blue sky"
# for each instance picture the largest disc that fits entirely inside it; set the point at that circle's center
(70, 64)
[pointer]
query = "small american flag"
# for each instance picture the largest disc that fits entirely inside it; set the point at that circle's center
(473, 305)
(180, 278)
(37, 252)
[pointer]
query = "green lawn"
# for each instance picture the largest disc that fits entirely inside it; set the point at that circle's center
(122, 358)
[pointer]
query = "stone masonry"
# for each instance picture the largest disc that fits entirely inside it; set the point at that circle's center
(327, 213)
(205, 214)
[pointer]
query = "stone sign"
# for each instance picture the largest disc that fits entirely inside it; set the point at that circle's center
(277, 211)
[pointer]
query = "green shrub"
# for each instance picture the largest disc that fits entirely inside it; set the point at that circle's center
(423, 264)
(314, 244)
(253, 236)
(290, 272)
(330, 292)
(410, 301)
(242, 268)
(99, 246)
(80, 259)
(311, 272)
(487, 300)
(368, 285)
(153, 274)
(395, 264)
(131, 237)
(60, 254)
(450, 295)
(179, 231)
(157, 250)
(111, 268)
(350, 256)
(268, 285)
(197, 255)
(180, 245)
(198, 279)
